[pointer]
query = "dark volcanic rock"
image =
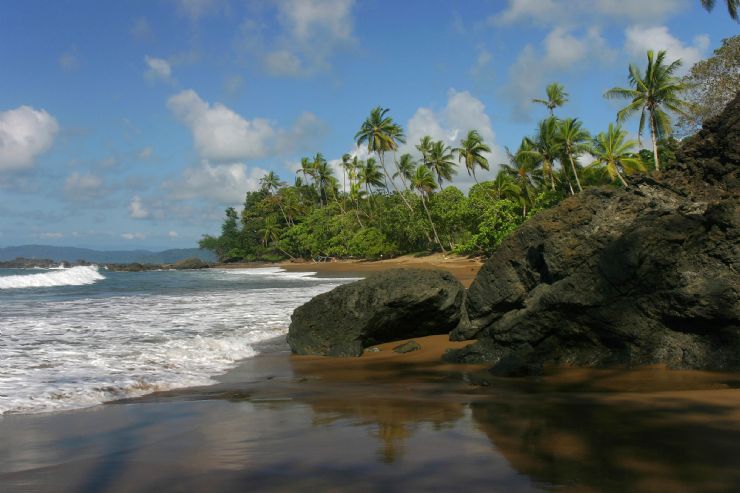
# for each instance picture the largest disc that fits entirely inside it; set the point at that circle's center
(392, 305)
(190, 263)
(642, 275)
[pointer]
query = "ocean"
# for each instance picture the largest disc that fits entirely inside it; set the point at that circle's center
(78, 337)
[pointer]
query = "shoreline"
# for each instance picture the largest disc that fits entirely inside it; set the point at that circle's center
(463, 268)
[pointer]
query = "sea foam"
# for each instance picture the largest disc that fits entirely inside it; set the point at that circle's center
(75, 276)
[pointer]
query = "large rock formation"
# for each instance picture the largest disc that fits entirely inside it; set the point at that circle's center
(392, 305)
(643, 275)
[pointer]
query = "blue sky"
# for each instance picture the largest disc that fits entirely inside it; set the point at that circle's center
(134, 124)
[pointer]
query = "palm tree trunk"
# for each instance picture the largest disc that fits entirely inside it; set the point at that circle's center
(382, 165)
(655, 141)
(434, 230)
(575, 173)
(621, 178)
(552, 175)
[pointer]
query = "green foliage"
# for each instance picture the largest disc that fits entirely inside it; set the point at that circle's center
(365, 213)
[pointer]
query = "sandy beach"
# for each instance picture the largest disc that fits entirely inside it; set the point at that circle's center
(464, 268)
(391, 422)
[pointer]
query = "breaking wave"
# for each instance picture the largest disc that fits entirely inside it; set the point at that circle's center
(75, 276)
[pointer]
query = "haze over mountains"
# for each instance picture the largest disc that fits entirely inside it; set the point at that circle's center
(72, 254)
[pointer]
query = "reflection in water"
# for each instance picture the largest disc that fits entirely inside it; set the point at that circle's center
(299, 430)
(611, 443)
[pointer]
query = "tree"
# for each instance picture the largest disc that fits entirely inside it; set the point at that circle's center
(556, 97)
(271, 182)
(471, 151)
(406, 167)
(653, 95)
(546, 148)
(440, 161)
(574, 141)
(424, 147)
(732, 6)
(712, 83)
(523, 167)
(381, 135)
(616, 154)
(423, 182)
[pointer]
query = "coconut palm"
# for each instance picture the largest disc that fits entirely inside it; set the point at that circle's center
(424, 147)
(653, 95)
(406, 168)
(574, 140)
(271, 182)
(423, 182)
(732, 6)
(524, 168)
(546, 148)
(616, 154)
(306, 169)
(471, 151)
(381, 134)
(270, 230)
(440, 161)
(504, 186)
(556, 97)
(370, 176)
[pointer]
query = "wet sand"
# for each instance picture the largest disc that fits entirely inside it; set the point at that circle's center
(392, 422)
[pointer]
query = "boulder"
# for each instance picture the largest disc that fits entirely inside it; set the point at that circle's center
(387, 306)
(190, 264)
(643, 275)
(407, 347)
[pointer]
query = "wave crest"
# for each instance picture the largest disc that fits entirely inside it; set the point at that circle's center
(76, 276)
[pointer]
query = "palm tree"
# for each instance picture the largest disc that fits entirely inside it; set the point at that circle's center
(732, 6)
(270, 230)
(574, 140)
(556, 97)
(652, 94)
(615, 153)
(423, 182)
(546, 148)
(271, 182)
(524, 168)
(370, 176)
(471, 150)
(504, 186)
(406, 168)
(440, 161)
(424, 147)
(306, 168)
(381, 134)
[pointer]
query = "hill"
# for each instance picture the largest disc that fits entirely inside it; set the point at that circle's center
(72, 254)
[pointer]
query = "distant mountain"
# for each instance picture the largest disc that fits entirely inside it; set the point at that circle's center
(72, 254)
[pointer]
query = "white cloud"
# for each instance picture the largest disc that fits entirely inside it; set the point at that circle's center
(81, 187)
(585, 12)
(462, 113)
(158, 68)
(133, 236)
(561, 51)
(312, 31)
(225, 184)
(219, 133)
(234, 85)
(172, 234)
(51, 235)
(305, 134)
(639, 40)
(284, 62)
(25, 133)
(137, 210)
